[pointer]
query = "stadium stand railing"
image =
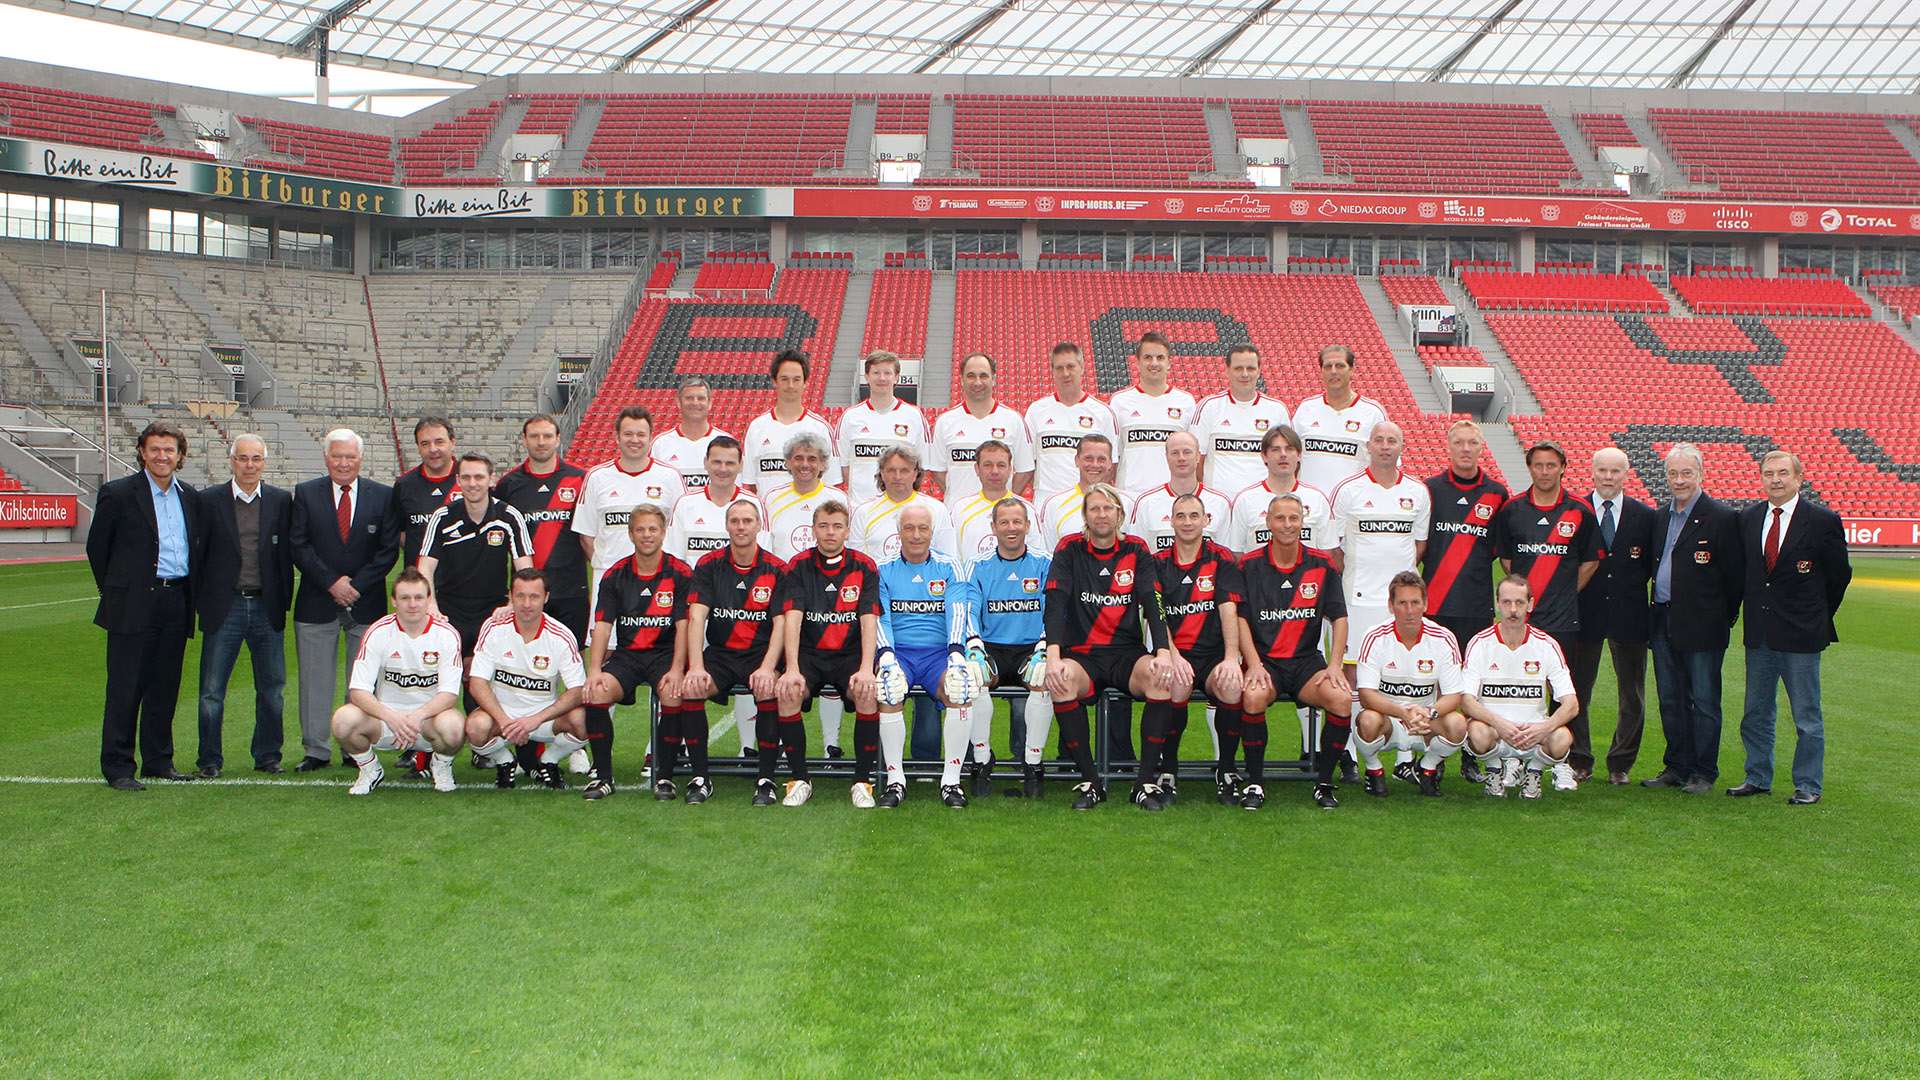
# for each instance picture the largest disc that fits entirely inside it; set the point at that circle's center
(1481, 149)
(1788, 155)
(1710, 295)
(323, 151)
(1082, 141)
(1506, 291)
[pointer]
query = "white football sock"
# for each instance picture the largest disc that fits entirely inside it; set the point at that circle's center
(893, 743)
(980, 715)
(831, 710)
(1401, 757)
(561, 748)
(1438, 750)
(1369, 750)
(743, 714)
(363, 760)
(955, 730)
(1039, 725)
(495, 751)
(1213, 732)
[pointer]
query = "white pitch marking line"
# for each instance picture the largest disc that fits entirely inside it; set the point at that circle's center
(390, 783)
(48, 603)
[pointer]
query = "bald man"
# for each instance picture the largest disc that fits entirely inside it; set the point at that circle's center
(1614, 615)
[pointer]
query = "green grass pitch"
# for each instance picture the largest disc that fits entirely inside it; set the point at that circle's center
(286, 930)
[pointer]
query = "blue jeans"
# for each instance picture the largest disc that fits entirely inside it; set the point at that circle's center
(247, 622)
(1689, 688)
(1800, 671)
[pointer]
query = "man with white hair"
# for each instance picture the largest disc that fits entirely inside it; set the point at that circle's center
(344, 541)
(1614, 616)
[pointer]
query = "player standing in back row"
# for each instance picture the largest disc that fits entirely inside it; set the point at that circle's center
(614, 488)
(545, 488)
(1056, 423)
(1334, 426)
(1231, 424)
(1280, 452)
(871, 427)
(1146, 413)
(426, 487)
(683, 447)
(978, 419)
(770, 433)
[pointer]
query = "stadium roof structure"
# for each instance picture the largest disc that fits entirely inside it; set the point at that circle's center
(1843, 46)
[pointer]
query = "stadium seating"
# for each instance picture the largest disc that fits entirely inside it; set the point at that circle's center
(897, 314)
(1735, 386)
(1503, 291)
(1421, 146)
(1769, 296)
(323, 151)
(68, 116)
(666, 266)
(10, 484)
(728, 341)
(1903, 299)
(449, 147)
(717, 138)
(1017, 316)
(1434, 356)
(1080, 141)
(1257, 118)
(1844, 157)
(1404, 289)
(547, 114)
(733, 273)
(1606, 129)
(901, 114)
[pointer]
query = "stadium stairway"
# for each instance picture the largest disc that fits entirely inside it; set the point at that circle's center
(1667, 168)
(1905, 135)
(506, 122)
(570, 159)
(521, 366)
(936, 378)
(1592, 172)
(1507, 451)
(1405, 356)
(843, 381)
(1307, 162)
(1521, 398)
(1892, 318)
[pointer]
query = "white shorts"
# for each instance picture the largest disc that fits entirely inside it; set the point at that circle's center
(1401, 739)
(1360, 623)
(387, 741)
(1537, 756)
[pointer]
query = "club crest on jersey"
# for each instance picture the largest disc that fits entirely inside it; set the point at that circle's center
(1260, 423)
(1030, 584)
(1086, 421)
(1173, 413)
(1406, 504)
(1425, 666)
(494, 539)
(566, 494)
(1123, 578)
(936, 588)
(900, 430)
(1483, 511)
(429, 658)
(663, 598)
(849, 594)
(1565, 528)
(1532, 667)
(540, 663)
(1633, 552)
(1204, 584)
(653, 491)
(1309, 590)
(1353, 425)
(762, 594)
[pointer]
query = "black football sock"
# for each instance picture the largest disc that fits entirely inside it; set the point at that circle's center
(766, 731)
(1176, 727)
(1227, 726)
(600, 741)
(1253, 736)
(693, 735)
(1154, 722)
(1334, 731)
(866, 746)
(527, 754)
(793, 739)
(1071, 718)
(666, 742)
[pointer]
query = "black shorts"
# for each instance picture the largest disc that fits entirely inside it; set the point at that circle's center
(637, 669)
(1008, 663)
(1291, 676)
(827, 670)
(571, 612)
(468, 624)
(729, 668)
(1203, 662)
(1109, 668)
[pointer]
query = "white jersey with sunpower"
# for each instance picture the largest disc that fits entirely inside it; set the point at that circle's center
(1519, 685)
(1056, 429)
(876, 526)
(1378, 525)
(973, 524)
(405, 672)
(699, 524)
(1248, 528)
(790, 517)
(764, 464)
(865, 434)
(1230, 432)
(957, 434)
(1418, 674)
(1335, 440)
(1142, 422)
(1065, 514)
(607, 500)
(527, 676)
(688, 457)
(1152, 517)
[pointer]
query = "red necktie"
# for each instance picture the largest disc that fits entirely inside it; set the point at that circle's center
(345, 512)
(1772, 550)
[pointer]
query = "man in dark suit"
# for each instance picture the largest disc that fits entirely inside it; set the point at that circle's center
(241, 589)
(1614, 616)
(344, 542)
(1797, 574)
(1696, 600)
(142, 547)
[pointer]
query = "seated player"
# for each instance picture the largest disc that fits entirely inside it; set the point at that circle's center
(1410, 689)
(522, 658)
(1008, 611)
(922, 634)
(1200, 594)
(830, 608)
(404, 691)
(1288, 591)
(1512, 669)
(639, 639)
(1101, 586)
(732, 613)
(697, 526)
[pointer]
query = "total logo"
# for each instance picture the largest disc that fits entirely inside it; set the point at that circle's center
(1829, 219)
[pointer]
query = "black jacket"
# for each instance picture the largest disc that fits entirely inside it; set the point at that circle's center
(1707, 575)
(1792, 608)
(1614, 603)
(217, 573)
(123, 545)
(365, 558)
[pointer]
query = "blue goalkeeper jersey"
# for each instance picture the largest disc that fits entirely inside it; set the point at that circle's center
(922, 605)
(1007, 598)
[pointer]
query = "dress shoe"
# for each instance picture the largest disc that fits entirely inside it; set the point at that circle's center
(208, 772)
(269, 767)
(1618, 778)
(312, 764)
(126, 783)
(1667, 778)
(1699, 785)
(1745, 790)
(1803, 798)
(1581, 776)
(170, 774)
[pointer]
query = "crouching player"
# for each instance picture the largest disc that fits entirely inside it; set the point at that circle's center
(1101, 586)
(830, 608)
(1411, 684)
(732, 614)
(1200, 590)
(639, 639)
(404, 692)
(1512, 670)
(922, 630)
(1008, 611)
(1289, 589)
(522, 658)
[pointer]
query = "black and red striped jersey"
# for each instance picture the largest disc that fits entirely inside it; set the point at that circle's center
(741, 602)
(547, 500)
(1191, 595)
(1284, 605)
(644, 608)
(1547, 544)
(830, 595)
(1098, 599)
(1458, 563)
